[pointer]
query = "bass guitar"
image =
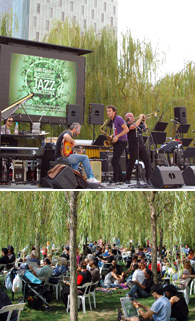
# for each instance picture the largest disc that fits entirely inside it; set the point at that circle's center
(67, 149)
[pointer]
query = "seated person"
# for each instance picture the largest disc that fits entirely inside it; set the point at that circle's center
(4, 301)
(11, 256)
(119, 269)
(111, 279)
(5, 129)
(43, 272)
(95, 273)
(4, 259)
(66, 255)
(143, 290)
(160, 309)
(109, 258)
(33, 258)
(138, 274)
(179, 308)
(83, 277)
(191, 255)
(134, 261)
(74, 159)
(59, 270)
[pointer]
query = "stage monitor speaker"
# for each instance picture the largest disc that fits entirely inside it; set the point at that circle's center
(74, 113)
(189, 176)
(96, 114)
(167, 177)
(180, 115)
(65, 179)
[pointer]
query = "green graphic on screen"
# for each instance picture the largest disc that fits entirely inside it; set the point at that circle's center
(52, 81)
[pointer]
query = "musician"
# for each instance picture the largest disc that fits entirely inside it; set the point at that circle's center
(74, 159)
(133, 145)
(119, 140)
(5, 129)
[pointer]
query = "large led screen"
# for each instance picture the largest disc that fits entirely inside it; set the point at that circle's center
(52, 81)
(55, 75)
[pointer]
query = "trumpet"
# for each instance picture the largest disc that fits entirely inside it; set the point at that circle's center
(148, 116)
(108, 142)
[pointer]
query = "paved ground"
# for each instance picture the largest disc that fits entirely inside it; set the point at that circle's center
(103, 186)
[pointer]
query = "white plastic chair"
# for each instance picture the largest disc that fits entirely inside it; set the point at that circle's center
(11, 308)
(104, 268)
(95, 284)
(186, 291)
(81, 298)
(2, 272)
(57, 286)
(192, 285)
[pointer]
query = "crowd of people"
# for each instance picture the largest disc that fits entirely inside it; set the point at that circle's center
(101, 264)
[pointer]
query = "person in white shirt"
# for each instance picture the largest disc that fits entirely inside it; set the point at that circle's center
(138, 274)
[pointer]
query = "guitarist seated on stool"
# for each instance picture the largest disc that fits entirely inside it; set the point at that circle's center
(73, 159)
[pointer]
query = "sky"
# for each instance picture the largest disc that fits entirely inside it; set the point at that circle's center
(169, 25)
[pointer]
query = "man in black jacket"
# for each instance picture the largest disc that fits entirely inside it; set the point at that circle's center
(4, 259)
(4, 301)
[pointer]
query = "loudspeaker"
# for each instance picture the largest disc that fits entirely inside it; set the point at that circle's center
(74, 113)
(180, 115)
(189, 176)
(106, 163)
(164, 177)
(100, 140)
(96, 114)
(65, 179)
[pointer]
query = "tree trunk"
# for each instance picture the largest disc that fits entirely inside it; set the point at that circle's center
(73, 263)
(151, 201)
(37, 241)
(161, 242)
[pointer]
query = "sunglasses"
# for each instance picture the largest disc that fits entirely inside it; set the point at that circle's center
(10, 121)
(78, 130)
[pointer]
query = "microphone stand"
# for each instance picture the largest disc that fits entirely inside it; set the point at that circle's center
(138, 185)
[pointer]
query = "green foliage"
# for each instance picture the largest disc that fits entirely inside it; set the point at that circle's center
(8, 23)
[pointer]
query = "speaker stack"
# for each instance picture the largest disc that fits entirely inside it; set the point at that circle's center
(167, 177)
(96, 114)
(180, 115)
(74, 113)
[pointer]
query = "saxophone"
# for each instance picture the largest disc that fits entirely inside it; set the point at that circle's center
(108, 142)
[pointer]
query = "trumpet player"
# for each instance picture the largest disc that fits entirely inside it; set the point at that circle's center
(119, 138)
(133, 145)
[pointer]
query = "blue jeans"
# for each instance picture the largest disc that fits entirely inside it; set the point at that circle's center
(75, 159)
(112, 285)
(141, 293)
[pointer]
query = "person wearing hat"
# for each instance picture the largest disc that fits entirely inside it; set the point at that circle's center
(133, 145)
(119, 139)
(43, 272)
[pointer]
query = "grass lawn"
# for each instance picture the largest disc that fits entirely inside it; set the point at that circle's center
(107, 308)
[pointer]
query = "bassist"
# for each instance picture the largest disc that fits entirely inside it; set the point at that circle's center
(74, 159)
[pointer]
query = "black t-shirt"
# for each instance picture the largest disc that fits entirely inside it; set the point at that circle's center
(110, 259)
(148, 284)
(4, 301)
(179, 309)
(132, 139)
(59, 142)
(4, 259)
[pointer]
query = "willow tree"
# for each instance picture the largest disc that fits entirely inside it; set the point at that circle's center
(8, 23)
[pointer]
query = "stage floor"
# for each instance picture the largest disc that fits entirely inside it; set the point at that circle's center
(104, 186)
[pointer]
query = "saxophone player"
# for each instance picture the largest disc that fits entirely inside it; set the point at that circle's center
(119, 138)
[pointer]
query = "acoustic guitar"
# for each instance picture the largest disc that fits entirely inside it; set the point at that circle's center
(67, 149)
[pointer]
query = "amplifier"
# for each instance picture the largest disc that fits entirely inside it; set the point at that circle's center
(106, 163)
(19, 171)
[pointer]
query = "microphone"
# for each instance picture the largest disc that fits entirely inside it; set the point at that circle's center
(173, 120)
(41, 116)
